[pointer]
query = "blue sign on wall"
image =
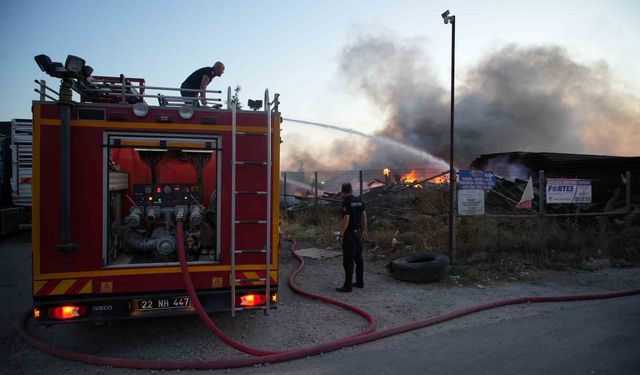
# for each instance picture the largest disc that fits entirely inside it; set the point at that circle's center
(476, 180)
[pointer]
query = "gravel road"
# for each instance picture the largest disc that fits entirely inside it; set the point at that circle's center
(297, 321)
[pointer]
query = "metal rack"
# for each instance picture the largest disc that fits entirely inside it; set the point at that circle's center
(22, 156)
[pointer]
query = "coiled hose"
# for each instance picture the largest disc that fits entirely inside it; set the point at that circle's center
(264, 356)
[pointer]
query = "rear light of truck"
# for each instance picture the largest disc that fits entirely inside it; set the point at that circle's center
(67, 312)
(254, 299)
(251, 300)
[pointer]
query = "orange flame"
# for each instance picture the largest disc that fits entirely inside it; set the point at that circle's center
(387, 172)
(410, 177)
(440, 180)
(413, 176)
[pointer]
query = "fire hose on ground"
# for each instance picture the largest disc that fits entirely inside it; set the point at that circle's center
(265, 356)
(228, 340)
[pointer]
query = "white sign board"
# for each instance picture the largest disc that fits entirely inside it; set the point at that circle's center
(568, 190)
(470, 202)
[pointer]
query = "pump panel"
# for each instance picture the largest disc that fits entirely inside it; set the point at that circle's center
(166, 195)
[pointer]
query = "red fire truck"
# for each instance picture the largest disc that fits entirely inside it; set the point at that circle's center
(115, 170)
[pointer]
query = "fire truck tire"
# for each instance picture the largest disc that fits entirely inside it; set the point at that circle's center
(421, 267)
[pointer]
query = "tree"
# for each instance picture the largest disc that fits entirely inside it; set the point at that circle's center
(236, 97)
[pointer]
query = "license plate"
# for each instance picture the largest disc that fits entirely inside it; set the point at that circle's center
(162, 303)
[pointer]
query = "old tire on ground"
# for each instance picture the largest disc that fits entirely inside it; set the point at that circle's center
(421, 267)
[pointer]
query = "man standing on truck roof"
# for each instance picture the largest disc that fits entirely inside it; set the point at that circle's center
(200, 79)
(352, 227)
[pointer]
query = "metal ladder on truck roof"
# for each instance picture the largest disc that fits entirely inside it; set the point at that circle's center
(267, 221)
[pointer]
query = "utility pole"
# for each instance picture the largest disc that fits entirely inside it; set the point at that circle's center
(452, 174)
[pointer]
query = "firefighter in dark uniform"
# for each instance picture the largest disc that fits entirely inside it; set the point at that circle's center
(199, 80)
(353, 227)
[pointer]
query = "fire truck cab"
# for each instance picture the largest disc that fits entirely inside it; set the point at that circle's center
(114, 171)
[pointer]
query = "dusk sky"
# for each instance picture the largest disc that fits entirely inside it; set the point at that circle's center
(322, 58)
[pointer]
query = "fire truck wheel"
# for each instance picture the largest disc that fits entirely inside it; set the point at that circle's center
(421, 267)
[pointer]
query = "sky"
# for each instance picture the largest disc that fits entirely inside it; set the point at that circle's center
(299, 49)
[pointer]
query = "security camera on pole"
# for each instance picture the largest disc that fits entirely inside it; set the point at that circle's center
(448, 18)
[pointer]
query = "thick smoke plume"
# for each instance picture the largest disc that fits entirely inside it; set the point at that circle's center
(516, 98)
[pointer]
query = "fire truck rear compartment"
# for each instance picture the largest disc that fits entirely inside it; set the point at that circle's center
(149, 188)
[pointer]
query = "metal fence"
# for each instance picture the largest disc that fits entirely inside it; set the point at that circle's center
(614, 208)
(305, 183)
(315, 186)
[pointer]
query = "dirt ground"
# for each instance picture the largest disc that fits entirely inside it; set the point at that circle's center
(393, 302)
(297, 322)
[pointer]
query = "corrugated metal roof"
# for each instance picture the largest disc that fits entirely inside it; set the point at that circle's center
(564, 165)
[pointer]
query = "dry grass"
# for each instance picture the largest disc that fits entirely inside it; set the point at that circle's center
(502, 247)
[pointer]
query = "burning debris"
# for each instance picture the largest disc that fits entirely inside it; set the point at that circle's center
(392, 183)
(387, 175)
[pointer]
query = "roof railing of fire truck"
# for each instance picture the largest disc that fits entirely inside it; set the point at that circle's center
(180, 98)
(43, 85)
(125, 91)
(43, 90)
(121, 91)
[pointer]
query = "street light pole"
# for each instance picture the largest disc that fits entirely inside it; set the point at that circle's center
(452, 175)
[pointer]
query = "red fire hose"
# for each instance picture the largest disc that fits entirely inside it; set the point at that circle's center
(228, 340)
(272, 357)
